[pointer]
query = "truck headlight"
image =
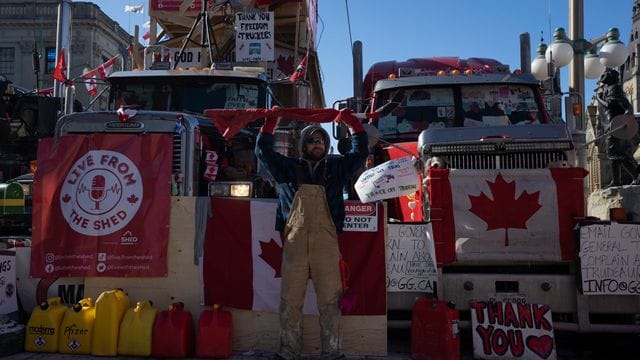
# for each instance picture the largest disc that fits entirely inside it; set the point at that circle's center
(230, 189)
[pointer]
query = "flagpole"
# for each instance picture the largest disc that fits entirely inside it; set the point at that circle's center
(308, 46)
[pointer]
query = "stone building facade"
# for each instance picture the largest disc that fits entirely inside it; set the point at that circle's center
(26, 25)
(631, 75)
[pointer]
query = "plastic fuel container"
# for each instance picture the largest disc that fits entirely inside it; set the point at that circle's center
(173, 334)
(111, 306)
(43, 327)
(434, 330)
(77, 327)
(136, 330)
(215, 330)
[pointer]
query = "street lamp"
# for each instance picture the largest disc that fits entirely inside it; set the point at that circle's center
(613, 53)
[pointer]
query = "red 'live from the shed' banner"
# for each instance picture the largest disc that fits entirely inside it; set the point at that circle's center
(101, 206)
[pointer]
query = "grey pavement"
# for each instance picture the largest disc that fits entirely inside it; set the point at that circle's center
(399, 348)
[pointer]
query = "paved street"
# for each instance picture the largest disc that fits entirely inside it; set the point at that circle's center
(570, 346)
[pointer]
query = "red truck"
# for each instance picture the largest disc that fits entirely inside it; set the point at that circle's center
(501, 187)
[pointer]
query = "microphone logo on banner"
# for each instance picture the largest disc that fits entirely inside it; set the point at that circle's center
(101, 193)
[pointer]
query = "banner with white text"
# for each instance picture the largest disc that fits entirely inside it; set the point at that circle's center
(101, 206)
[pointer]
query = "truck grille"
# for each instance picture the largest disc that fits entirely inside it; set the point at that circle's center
(176, 163)
(501, 155)
(538, 160)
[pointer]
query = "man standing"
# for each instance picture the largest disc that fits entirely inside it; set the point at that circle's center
(310, 215)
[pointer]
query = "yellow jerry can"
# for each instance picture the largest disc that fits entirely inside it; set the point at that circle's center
(136, 330)
(43, 327)
(111, 306)
(77, 327)
(11, 198)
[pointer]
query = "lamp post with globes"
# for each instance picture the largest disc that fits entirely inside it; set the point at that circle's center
(562, 51)
(586, 62)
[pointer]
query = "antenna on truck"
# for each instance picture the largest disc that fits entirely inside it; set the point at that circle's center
(206, 35)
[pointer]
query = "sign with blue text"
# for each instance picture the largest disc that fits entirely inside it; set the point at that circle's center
(391, 179)
(254, 36)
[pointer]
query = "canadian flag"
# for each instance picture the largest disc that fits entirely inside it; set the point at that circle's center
(519, 214)
(101, 72)
(243, 254)
(60, 71)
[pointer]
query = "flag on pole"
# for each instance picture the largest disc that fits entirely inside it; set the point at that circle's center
(101, 72)
(60, 72)
(136, 9)
(301, 70)
(107, 68)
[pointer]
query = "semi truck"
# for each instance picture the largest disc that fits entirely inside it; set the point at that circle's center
(501, 188)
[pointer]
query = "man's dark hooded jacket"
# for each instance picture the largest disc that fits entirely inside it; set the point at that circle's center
(333, 172)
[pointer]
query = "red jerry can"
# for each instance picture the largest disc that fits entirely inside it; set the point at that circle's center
(215, 330)
(173, 333)
(434, 330)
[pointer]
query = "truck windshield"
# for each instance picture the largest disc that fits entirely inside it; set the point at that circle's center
(457, 106)
(189, 93)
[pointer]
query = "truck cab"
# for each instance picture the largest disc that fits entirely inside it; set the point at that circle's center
(173, 101)
(500, 182)
(189, 90)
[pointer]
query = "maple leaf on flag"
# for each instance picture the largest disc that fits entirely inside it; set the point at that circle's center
(505, 211)
(272, 254)
(133, 198)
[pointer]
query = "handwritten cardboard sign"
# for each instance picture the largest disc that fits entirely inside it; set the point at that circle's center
(254, 36)
(391, 179)
(610, 259)
(411, 257)
(503, 330)
(8, 289)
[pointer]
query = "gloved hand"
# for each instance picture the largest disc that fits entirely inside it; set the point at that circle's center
(348, 118)
(269, 125)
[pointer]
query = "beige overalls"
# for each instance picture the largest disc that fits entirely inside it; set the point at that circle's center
(310, 247)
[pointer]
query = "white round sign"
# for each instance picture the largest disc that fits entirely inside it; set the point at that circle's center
(101, 193)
